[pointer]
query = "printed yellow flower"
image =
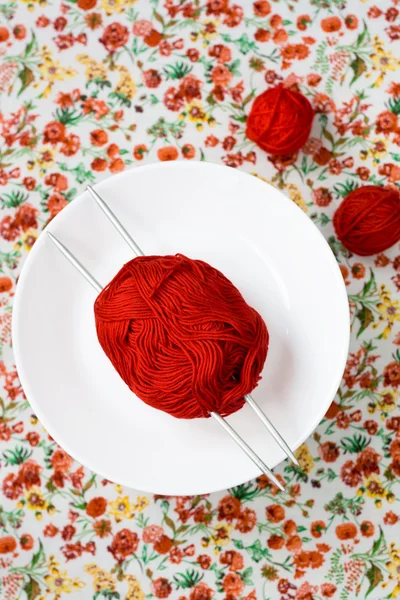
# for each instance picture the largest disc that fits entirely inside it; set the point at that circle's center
(383, 61)
(121, 508)
(102, 580)
(141, 503)
(194, 111)
(388, 400)
(125, 86)
(51, 70)
(116, 6)
(58, 582)
(393, 567)
(389, 311)
(210, 29)
(305, 459)
(373, 487)
(29, 238)
(135, 591)
(34, 499)
(46, 156)
(94, 69)
(221, 534)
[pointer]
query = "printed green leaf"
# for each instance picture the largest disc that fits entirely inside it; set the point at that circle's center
(366, 317)
(358, 67)
(374, 576)
(32, 589)
(26, 76)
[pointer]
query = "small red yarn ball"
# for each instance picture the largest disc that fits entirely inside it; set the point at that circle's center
(280, 121)
(181, 336)
(368, 220)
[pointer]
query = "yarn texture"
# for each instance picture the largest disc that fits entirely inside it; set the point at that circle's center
(181, 336)
(280, 121)
(368, 220)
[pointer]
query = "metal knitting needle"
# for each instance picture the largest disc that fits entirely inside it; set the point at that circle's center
(133, 245)
(235, 436)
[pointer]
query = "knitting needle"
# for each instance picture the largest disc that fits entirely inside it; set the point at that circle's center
(133, 245)
(235, 436)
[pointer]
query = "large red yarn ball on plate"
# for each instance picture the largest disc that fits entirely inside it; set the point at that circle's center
(181, 336)
(368, 220)
(280, 121)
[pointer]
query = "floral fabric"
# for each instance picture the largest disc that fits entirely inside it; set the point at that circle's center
(89, 88)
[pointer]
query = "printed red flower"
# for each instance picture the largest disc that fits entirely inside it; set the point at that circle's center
(261, 8)
(50, 530)
(328, 590)
(55, 203)
(98, 137)
(5, 286)
(71, 145)
(275, 513)
(68, 533)
(19, 32)
(26, 541)
(124, 543)
(139, 151)
(151, 78)
(204, 561)
(99, 164)
(161, 587)
(188, 151)
(163, 544)
(142, 27)
(54, 132)
(221, 75)
(201, 592)
(86, 4)
(391, 374)
(12, 486)
(391, 518)
(275, 542)
(25, 217)
(7, 544)
(367, 529)
(351, 474)
(29, 474)
(331, 24)
(351, 22)
(329, 452)
(4, 34)
(61, 461)
(232, 584)
(153, 38)
(167, 153)
(114, 36)
(231, 558)
(346, 531)
(96, 507)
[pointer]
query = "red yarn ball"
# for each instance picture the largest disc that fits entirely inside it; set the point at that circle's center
(280, 121)
(368, 220)
(181, 336)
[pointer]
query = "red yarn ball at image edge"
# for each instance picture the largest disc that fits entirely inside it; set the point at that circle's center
(181, 336)
(280, 121)
(367, 222)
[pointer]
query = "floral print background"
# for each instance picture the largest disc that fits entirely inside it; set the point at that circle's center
(89, 88)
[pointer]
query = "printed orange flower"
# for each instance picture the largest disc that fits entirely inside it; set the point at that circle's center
(7, 544)
(346, 531)
(331, 24)
(167, 153)
(275, 513)
(96, 507)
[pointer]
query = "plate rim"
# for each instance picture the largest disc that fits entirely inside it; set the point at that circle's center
(193, 164)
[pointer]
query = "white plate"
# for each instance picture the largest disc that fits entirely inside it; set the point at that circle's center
(261, 241)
